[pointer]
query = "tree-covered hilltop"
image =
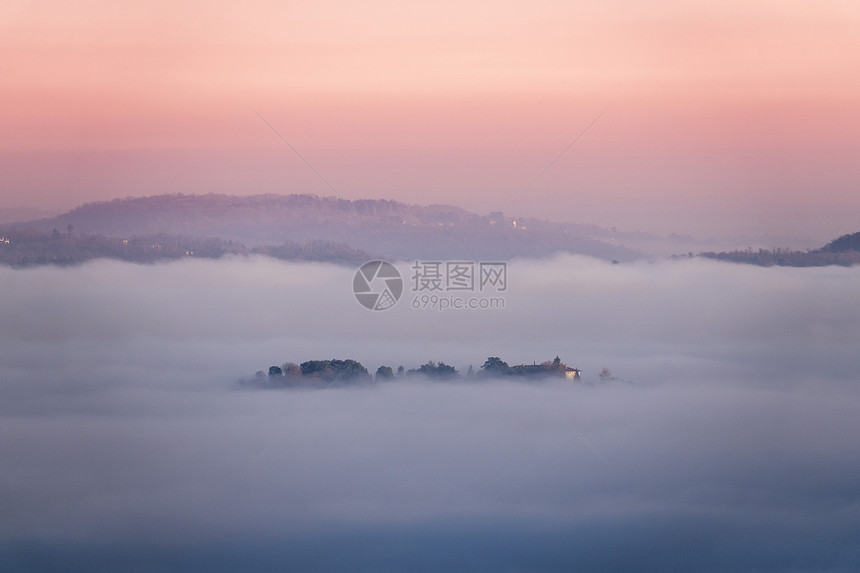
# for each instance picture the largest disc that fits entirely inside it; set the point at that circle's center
(844, 251)
(335, 372)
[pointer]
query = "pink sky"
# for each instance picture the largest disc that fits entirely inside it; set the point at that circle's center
(729, 117)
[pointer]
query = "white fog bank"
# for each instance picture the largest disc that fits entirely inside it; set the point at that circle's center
(727, 441)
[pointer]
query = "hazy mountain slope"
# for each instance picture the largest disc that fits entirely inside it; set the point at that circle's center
(380, 226)
(844, 244)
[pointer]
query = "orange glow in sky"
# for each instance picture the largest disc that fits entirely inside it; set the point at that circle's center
(719, 116)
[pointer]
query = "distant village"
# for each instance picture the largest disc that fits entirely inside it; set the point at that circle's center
(343, 372)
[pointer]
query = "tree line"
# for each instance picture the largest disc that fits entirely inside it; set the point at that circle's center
(844, 251)
(340, 372)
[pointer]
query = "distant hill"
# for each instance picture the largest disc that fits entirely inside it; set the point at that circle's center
(844, 244)
(389, 228)
(843, 251)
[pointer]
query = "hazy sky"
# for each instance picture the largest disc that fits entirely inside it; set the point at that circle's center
(729, 444)
(717, 117)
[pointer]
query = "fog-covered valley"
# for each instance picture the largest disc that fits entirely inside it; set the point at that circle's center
(726, 440)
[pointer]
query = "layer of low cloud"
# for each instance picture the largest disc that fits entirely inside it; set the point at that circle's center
(728, 441)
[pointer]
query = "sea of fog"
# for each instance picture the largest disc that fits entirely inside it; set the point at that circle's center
(726, 438)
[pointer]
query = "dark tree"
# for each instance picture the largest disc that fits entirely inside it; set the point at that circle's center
(445, 371)
(434, 370)
(316, 368)
(384, 373)
(275, 372)
(495, 366)
(348, 369)
(330, 370)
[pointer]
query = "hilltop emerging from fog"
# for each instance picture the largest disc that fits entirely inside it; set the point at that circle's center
(324, 373)
(384, 228)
